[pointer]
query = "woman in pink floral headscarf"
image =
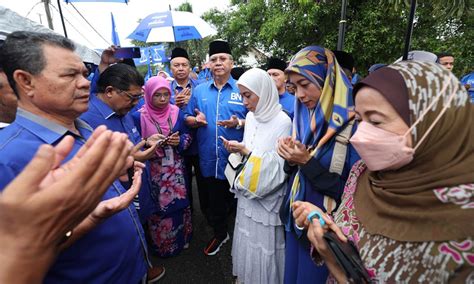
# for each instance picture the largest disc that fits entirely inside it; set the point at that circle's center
(161, 122)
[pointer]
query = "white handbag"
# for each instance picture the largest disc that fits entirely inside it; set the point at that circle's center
(235, 164)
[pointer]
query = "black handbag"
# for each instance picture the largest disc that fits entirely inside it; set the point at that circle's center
(348, 257)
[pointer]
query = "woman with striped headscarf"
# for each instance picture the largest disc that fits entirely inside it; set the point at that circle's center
(317, 155)
(409, 206)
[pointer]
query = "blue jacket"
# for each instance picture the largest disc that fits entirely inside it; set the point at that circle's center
(110, 253)
(216, 105)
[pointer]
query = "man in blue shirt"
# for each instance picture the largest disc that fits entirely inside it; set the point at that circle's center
(276, 69)
(216, 109)
(468, 82)
(50, 82)
(182, 88)
(119, 89)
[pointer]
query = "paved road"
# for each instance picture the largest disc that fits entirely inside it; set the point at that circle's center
(191, 265)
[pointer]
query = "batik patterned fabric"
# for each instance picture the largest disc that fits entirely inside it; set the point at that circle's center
(391, 261)
(407, 204)
(170, 227)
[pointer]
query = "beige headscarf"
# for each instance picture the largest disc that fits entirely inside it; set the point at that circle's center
(430, 199)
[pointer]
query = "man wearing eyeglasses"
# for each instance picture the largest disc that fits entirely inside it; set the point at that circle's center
(119, 89)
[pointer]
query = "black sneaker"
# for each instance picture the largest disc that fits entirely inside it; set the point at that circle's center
(214, 245)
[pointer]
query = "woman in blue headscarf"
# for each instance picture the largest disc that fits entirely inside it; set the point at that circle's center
(317, 155)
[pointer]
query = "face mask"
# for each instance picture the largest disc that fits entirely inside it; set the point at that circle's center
(384, 150)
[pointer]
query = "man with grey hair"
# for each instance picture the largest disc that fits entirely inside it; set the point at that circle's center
(50, 82)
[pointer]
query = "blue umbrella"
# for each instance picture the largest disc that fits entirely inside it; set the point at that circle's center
(171, 26)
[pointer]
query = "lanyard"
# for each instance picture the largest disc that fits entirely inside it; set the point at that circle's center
(160, 131)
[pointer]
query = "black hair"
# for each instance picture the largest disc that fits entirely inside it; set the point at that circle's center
(120, 76)
(444, 54)
(24, 51)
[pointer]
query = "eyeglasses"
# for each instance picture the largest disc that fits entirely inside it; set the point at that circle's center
(131, 96)
(162, 95)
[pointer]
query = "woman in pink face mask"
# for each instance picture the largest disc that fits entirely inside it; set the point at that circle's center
(408, 205)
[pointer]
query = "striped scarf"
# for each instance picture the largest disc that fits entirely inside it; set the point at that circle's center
(314, 128)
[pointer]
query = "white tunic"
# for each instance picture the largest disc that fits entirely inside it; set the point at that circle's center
(258, 249)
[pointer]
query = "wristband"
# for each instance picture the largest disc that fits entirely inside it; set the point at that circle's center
(314, 214)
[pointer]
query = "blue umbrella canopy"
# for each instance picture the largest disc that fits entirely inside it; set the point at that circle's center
(171, 26)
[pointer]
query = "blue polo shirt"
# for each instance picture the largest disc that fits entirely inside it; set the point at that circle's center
(100, 113)
(287, 101)
(113, 252)
(216, 105)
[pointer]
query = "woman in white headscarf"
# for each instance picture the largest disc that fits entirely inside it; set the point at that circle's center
(258, 249)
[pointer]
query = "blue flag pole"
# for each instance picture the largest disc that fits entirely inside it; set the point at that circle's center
(149, 74)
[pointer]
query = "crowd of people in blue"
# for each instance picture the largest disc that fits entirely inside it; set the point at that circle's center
(331, 177)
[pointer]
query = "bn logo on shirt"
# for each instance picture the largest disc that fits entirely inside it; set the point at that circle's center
(235, 97)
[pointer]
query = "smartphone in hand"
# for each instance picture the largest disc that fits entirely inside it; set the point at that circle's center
(127, 52)
(223, 139)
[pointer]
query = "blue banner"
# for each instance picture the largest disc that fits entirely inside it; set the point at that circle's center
(156, 52)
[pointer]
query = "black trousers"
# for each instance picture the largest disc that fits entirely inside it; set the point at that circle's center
(221, 203)
(190, 162)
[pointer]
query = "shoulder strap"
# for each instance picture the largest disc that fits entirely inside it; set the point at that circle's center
(338, 160)
(340, 149)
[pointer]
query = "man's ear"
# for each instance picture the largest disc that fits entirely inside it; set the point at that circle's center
(24, 81)
(108, 91)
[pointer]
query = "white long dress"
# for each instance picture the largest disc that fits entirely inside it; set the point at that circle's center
(258, 249)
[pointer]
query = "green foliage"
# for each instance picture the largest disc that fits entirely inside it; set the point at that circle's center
(375, 28)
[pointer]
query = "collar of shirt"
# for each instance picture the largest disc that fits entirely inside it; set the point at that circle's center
(191, 84)
(102, 107)
(48, 131)
(3, 125)
(228, 83)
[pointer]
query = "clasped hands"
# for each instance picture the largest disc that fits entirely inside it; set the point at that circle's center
(293, 151)
(67, 196)
(182, 98)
